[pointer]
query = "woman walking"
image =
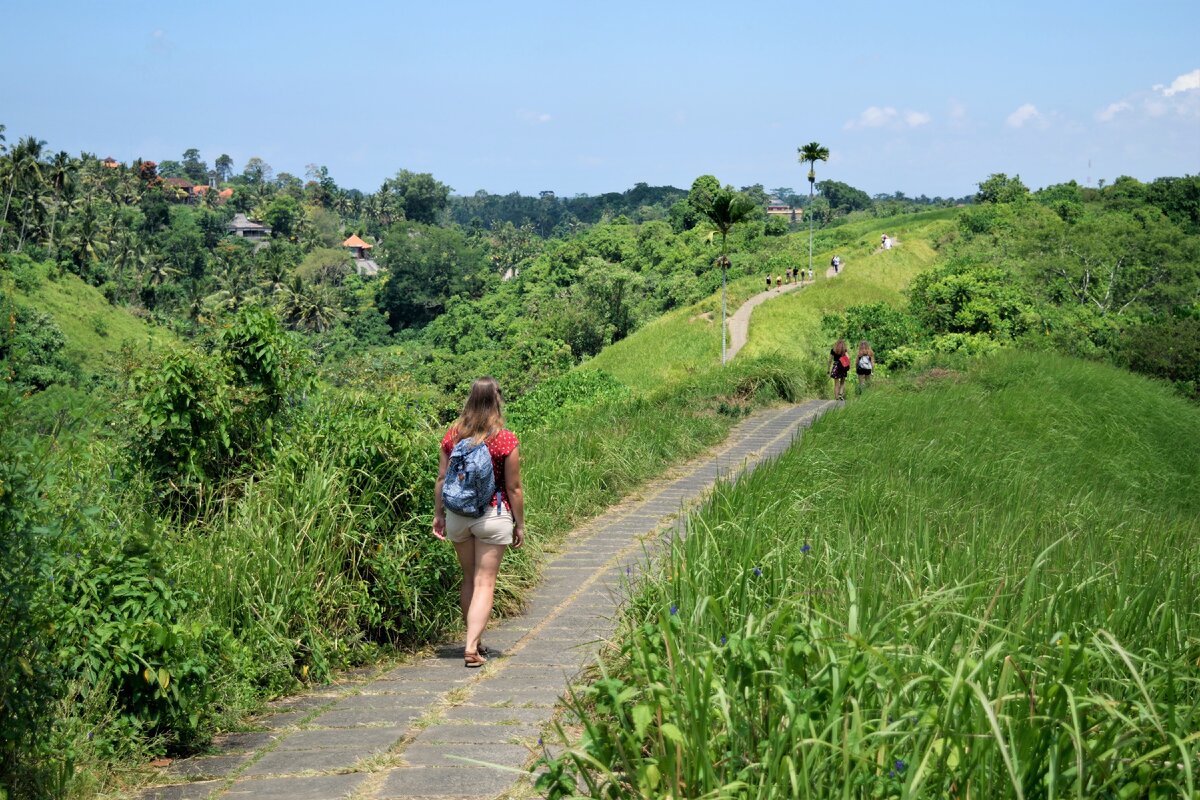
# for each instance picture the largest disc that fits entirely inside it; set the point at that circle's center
(480, 542)
(864, 365)
(839, 368)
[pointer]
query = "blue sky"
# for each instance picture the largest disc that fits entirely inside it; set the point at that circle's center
(592, 97)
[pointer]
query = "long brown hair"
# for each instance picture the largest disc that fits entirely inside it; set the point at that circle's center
(840, 347)
(864, 349)
(483, 414)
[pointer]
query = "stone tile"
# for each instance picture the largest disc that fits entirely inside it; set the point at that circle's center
(461, 783)
(206, 767)
(295, 762)
(498, 715)
(375, 702)
(363, 740)
(181, 791)
(285, 719)
(452, 755)
(511, 696)
(245, 742)
(325, 787)
(356, 718)
(481, 734)
(420, 692)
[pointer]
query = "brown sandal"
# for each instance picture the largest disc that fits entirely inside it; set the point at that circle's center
(473, 660)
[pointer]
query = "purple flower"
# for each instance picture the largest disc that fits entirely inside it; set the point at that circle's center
(674, 609)
(539, 741)
(723, 639)
(806, 548)
(900, 765)
(629, 570)
(758, 572)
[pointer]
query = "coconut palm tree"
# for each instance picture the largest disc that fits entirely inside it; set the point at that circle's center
(812, 153)
(724, 208)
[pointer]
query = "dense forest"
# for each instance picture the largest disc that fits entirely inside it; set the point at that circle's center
(215, 415)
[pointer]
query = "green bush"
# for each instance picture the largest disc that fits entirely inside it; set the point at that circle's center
(31, 681)
(553, 398)
(126, 634)
(31, 349)
(1168, 349)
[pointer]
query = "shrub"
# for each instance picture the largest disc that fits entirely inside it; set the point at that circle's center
(558, 396)
(1168, 349)
(30, 680)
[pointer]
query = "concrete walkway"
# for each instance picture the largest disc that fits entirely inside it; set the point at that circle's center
(739, 323)
(405, 732)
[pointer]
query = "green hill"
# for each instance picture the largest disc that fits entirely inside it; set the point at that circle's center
(95, 330)
(687, 341)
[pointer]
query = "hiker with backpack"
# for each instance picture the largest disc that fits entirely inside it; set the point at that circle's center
(479, 505)
(839, 368)
(865, 365)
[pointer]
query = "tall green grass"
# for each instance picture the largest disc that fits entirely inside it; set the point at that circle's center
(973, 584)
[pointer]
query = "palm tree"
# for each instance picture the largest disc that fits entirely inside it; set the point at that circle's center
(812, 153)
(724, 208)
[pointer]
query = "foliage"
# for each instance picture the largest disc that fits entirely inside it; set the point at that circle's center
(885, 327)
(428, 266)
(31, 346)
(1168, 349)
(999, 188)
(31, 681)
(557, 397)
(973, 297)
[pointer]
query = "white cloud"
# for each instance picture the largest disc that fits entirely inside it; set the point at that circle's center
(1184, 83)
(534, 117)
(1110, 113)
(915, 119)
(1025, 114)
(1180, 99)
(887, 116)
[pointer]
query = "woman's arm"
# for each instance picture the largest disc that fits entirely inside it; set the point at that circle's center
(439, 513)
(515, 494)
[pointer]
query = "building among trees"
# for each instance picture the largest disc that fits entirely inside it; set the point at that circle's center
(363, 263)
(242, 226)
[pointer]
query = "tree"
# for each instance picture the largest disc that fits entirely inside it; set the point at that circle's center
(427, 266)
(999, 188)
(224, 167)
(843, 197)
(724, 208)
(420, 197)
(283, 215)
(811, 153)
(194, 168)
(257, 172)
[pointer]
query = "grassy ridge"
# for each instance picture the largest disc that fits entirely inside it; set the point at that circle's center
(95, 330)
(687, 341)
(971, 584)
(792, 324)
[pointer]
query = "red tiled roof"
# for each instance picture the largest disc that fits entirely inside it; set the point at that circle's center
(182, 183)
(225, 193)
(354, 241)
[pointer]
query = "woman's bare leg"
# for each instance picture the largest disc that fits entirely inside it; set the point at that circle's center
(466, 560)
(487, 567)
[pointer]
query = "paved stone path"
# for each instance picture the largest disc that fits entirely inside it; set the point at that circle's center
(405, 732)
(739, 323)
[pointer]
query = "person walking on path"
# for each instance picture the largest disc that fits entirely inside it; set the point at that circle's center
(768, 281)
(480, 542)
(839, 368)
(864, 365)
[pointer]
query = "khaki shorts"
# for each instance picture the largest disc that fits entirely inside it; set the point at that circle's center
(491, 528)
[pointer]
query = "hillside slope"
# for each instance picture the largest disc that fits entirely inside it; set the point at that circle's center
(95, 330)
(688, 340)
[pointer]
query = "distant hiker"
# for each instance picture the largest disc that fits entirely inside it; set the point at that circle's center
(768, 281)
(865, 365)
(839, 368)
(810, 274)
(887, 242)
(778, 280)
(787, 275)
(479, 538)
(836, 263)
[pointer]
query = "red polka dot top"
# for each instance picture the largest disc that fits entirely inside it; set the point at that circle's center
(499, 446)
